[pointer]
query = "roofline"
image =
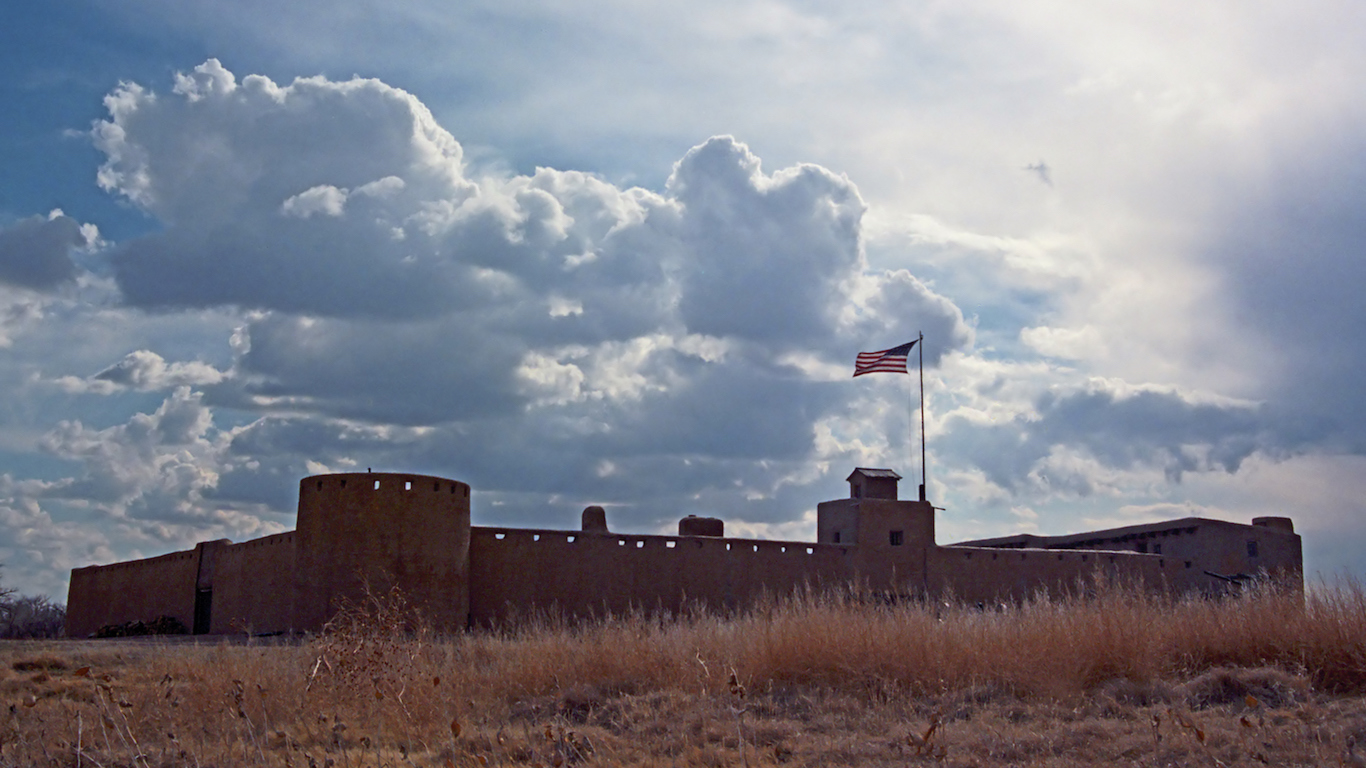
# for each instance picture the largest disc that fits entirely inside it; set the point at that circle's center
(1182, 522)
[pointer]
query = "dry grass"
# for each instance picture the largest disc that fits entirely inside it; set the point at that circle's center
(1117, 677)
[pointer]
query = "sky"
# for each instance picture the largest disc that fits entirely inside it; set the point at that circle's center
(622, 253)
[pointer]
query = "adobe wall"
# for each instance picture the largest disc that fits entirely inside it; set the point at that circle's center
(136, 590)
(589, 574)
(894, 538)
(252, 586)
(388, 530)
(989, 575)
(413, 532)
(1196, 544)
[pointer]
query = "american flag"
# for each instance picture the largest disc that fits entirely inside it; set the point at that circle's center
(887, 361)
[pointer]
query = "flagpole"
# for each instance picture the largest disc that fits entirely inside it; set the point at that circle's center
(921, 344)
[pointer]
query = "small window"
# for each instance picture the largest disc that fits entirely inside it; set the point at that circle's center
(858, 492)
(377, 485)
(669, 544)
(535, 537)
(1252, 548)
(569, 539)
(837, 537)
(1157, 549)
(1141, 546)
(894, 538)
(407, 485)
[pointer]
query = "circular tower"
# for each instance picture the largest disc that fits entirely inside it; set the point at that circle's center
(382, 530)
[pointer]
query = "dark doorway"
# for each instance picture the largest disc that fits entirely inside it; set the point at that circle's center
(203, 611)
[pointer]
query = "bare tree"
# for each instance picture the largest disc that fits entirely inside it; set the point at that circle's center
(29, 616)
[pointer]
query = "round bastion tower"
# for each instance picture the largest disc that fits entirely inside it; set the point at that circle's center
(385, 530)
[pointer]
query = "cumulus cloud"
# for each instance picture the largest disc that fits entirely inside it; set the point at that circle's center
(155, 464)
(557, 339)
(35, 253)
(144, 371)
(398, 288)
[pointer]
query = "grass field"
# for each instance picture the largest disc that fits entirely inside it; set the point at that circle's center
(1117, 677)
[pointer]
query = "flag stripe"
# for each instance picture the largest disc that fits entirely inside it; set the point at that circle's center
(884, 361)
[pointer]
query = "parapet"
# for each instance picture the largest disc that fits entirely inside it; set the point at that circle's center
(1283, 524)
(692, 525)
(594, 519)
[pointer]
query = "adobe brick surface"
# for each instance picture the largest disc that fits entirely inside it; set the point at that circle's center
(413, 532)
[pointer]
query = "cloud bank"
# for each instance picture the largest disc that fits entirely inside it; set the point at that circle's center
(331, 284)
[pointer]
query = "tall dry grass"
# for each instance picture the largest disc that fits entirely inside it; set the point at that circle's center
(379, 689)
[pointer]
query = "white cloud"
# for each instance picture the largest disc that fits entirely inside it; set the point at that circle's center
(402, 300)
(324, 199)
(1069, 343)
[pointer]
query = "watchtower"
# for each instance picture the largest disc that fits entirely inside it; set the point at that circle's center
(382, 530)
(889, 537)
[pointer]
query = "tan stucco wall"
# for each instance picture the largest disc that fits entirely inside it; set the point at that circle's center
(1195, 545)
(253, 586)
(388, 530)
(516, 570)
(137, 590)
(980, 574)
(413, 532)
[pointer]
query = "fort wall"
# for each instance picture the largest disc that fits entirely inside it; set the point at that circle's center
(412, 532)
(136, 590)
(592, 574)
(381, 531)
(1192, 548)
(252, 586)
(989, 575)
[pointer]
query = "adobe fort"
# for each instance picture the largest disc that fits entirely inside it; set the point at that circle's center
(413, 532)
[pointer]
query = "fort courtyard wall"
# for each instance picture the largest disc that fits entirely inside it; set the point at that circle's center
(357, 531)
(250, 588)
(987, 575)
(132, 591)
(1198, 554)
(592, 574)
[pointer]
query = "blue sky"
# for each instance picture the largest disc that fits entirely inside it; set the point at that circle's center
(611, 253)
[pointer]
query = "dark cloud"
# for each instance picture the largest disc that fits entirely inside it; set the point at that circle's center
(1294, 264)
(400, 373)
(36, 252)
(1120, 429)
